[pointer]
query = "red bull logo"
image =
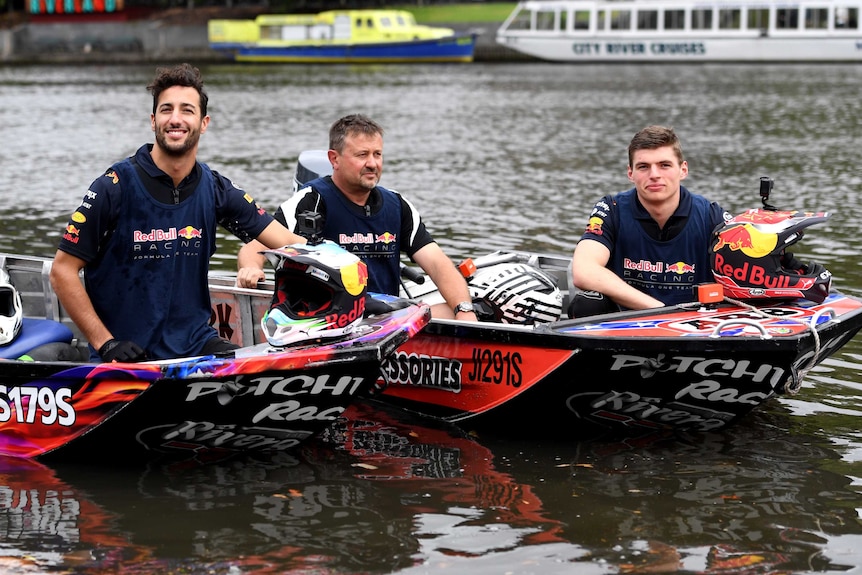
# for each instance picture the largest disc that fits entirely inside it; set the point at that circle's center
(189, 232)
(680, 268)
(112, 175)
(386, 238)
(72, 234)
(337, 320)
(154, 235)
(752, 274)
(594, 226)
(747, 239)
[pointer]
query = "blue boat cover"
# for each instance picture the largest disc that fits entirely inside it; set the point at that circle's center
(35, 332)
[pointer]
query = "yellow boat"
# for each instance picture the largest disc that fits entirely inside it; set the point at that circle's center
(338, 36)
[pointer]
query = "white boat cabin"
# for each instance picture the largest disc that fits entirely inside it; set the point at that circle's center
(694, 29)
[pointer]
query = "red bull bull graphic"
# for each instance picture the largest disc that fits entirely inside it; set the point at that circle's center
(189, 233)
(680, 268)
(748, 239)
(386, 238)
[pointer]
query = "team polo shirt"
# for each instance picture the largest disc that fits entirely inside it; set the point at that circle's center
(148, 260)
(377, 232)
(664, 262)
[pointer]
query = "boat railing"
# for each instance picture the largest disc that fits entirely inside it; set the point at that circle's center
(236, 312)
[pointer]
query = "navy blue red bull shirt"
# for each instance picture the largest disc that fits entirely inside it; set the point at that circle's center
(664, 262)
(148, 260)
(377, 232)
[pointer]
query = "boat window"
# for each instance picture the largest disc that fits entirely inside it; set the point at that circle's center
(787, 18)
(758, 18)
(647, 19)
(600, 26)
(385, 22)
(817, 18)
(521, 21)
(701, 19)
(545, 20)
(729, 19)
(674, 19)
(270, 32)
(621, 19)
(846, 18)
(582, 20)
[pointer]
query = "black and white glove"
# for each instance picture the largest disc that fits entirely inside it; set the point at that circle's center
(121, 351)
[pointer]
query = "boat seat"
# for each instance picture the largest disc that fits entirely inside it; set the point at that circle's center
(36, 333)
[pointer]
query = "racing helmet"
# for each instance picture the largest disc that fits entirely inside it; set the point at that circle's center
(750, 258)
(10, 310)
(515, 293)
(319, 293)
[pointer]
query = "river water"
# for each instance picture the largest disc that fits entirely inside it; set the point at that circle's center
(494, 156)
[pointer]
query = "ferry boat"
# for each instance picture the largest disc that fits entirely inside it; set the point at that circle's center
(339, 36)
(686, 30)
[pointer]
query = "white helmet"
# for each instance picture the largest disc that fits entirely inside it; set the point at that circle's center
(10, 310)
(320, 292)
(516, 293)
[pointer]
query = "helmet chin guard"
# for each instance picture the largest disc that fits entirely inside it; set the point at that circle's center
(750, 258)
(319, 293)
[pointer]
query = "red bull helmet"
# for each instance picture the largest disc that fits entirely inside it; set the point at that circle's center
(319, 293)
(750, 258)
(10, 310)
(515, 293)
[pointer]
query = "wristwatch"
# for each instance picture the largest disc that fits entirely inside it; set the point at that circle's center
(464, 306)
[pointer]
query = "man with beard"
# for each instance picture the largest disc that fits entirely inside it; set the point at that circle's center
(367, 219)
(144, 234)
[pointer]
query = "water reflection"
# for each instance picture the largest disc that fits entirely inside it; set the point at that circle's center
(384, 493)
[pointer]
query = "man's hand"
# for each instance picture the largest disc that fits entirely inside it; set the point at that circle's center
(249, 277)
(115, 350)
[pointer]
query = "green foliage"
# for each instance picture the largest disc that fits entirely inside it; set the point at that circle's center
(455, 13)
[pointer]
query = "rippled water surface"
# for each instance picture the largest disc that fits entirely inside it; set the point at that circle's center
(494, 156)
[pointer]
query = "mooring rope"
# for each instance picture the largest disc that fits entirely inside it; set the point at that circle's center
(794, 383)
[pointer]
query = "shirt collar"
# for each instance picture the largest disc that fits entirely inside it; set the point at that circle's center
(144, 159)
(682, 210)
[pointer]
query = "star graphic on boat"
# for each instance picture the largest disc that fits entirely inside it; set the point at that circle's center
(617, 325)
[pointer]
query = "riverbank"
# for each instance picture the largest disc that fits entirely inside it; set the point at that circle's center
(174, 35)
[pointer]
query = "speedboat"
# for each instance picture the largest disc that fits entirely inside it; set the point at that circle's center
(55, 403)
(698, 366)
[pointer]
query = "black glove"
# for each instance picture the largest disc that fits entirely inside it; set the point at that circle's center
(121, 351)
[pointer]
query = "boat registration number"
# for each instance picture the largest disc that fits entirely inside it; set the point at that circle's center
(26, 404)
